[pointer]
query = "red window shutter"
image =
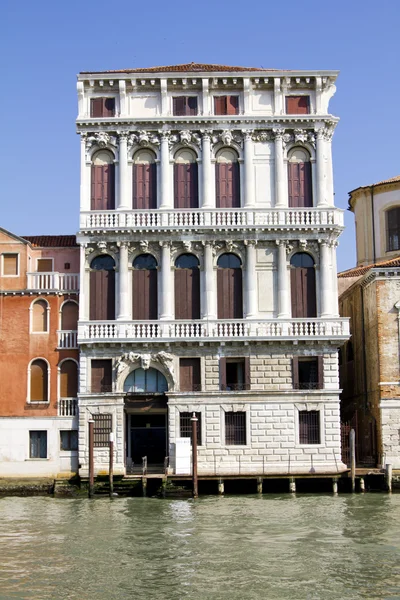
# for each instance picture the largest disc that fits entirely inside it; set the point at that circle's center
(296, 293)
(96, 107)
(295, 372)
(101, 375)
(103, 187)
(223, 294)
(189, 369)
(102, 295)
(179, 185)
(222, 185)
(230, 294)
(179, 106)
(321, 372)
(232, 105)
(294, 185)
(144, 295)
(297, 105)
(222, 373)
(299, 182)
(187, 294)
(220, 105)
(96, 187)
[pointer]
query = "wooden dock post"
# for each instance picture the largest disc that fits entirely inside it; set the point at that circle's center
(335, 485)
(353, 459)
(259, 485)
(362, 484)
(144, 486)
(91, 458)
(292, 485)
(388, 476)
(221, 487)
(194, 421)
(111, 466)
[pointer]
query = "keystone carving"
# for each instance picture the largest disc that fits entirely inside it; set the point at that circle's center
(128, 358)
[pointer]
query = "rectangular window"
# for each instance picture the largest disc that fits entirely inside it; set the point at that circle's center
(102, 107)
(309, 427)
(185, 425)
(44, 265)
(297, 105)
(69, 439)
(102, 430)
(308, 373)
(226, 105)
(235, 428)
(189, 374)
(234, 374)
(183, 106)
(10, 265)
(38, 444)
(101, 376)
(393, 229)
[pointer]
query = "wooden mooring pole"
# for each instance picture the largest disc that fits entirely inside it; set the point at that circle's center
(353, 459)
(91, 458)
(111, 466)
(389, 476)
(194, 421)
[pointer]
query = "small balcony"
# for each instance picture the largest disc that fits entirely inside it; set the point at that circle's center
(217, 219)
(67, 340)
(68, 407)
(214, 331)
(53, 282)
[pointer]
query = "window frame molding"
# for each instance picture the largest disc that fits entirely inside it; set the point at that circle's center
(68, 452)
(31, 458)
(28, 395)
(48, 309)
(307, 407)
(45, 258)
(185, 95)
(235, 408)
(18, 263)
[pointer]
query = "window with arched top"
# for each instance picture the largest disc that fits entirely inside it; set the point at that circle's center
(187, 287)
(68, 379)
(229, 287)
(39, 384)
(145, 380)
(299, 178)
(40, 322)
(144, 179)
(69, 316)
(144, 288)
(227, 179)
(303, 289)
(186, 189)
(102, 181)
(393, 229)
(102, 288)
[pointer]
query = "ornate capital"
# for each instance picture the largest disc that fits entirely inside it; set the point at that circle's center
(206, 134)
(250, 243)
(278, 132)
(123, 136)
(248, 134)
(123, 245)
(165, 244)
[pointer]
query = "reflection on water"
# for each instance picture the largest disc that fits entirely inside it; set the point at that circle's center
(270, 547)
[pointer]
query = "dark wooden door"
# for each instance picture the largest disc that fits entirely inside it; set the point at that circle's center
(227, 185)
(186, 194)
(303, 292)
(102, 295)
(144, 294)
(300, 189)
(103, 187)
(144, 186)
(187, 293)
(230, 298)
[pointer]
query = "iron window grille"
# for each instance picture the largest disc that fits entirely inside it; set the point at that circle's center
(235, 428)
(185, 425)
(102, 430)
(309, 427)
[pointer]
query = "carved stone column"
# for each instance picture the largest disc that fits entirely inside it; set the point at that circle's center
(324, 279)
(123, 200)
(250, 280)
(166, 200)
(283, 281)
(249, 199)
(334, 280)
(208, 199)
(280, 174)
(166, 282)
(320, 169)
(210, 294)
(124, 313)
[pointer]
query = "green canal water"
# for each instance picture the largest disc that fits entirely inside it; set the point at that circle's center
(239, 547)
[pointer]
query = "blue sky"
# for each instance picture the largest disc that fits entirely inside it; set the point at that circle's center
(44, 44)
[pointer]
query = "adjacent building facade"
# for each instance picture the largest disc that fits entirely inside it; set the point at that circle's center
(39, 285)
(370, 296)
(208, 237)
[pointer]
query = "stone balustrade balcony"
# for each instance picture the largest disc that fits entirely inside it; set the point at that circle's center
(241, 330)
(53, 282)
(67, 339)
(218, 219)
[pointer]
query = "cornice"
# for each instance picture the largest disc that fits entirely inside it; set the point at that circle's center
(117, 75)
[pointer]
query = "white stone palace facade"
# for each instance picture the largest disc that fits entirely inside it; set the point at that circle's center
(208, 237)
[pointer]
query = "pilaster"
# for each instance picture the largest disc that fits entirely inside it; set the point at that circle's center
(124, 312)
(166, 282)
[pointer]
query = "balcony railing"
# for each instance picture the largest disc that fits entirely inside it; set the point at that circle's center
(241, 329)
(68, 339)
(67, 407)
(60, 282)
(240, 218)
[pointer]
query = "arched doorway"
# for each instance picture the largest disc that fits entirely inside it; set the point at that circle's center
(146, 418)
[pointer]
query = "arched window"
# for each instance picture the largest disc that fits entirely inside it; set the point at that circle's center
(102, 288)
(303, 290)
(69, 316)
(39, 316)
(227, 179)
(187, 287)
(393, 229)
(186, 192)
(103, 181)
(299, 178)
(68, 379)
(229, 280)
(144, 288)
(39, 387)
(144, 177)
(145, 380)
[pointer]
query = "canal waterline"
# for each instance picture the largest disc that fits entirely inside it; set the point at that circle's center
(238, 547)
